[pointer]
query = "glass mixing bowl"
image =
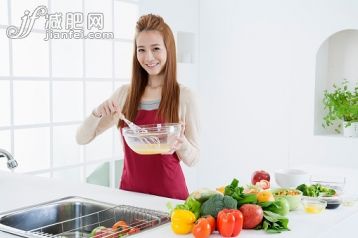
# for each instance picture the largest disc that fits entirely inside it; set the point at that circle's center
(152, 139)
(313, 205)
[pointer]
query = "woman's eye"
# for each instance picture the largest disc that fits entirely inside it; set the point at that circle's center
(140, 50)
(156, 49)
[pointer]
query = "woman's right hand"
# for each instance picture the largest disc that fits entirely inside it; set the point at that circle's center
(107, 108)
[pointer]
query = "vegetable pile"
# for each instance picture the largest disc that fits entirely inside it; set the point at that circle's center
(230, 211)
(119, 229)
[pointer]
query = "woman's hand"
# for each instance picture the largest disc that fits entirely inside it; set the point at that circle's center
(107, 108)
(178, 142)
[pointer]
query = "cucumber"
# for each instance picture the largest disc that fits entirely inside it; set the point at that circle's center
(95, 230)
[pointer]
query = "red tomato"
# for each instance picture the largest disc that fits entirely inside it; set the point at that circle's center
(211, 221)
(202, 228)
(133, 230)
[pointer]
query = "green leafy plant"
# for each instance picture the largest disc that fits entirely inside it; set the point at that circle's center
(341, 105)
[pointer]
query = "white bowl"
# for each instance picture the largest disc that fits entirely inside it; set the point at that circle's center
(291, 178)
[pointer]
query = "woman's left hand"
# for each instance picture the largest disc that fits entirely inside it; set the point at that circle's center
(178, 142)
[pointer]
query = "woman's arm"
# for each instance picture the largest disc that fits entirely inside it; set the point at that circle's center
(94, 125)
(189, 151)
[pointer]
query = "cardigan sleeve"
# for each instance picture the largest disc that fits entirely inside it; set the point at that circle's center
(189, 152)
(93, 126)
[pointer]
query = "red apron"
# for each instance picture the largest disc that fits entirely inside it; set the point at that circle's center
(153, 174)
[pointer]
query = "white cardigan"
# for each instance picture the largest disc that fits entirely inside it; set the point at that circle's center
(189, 151)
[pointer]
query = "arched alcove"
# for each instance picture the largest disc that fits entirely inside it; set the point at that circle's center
(336, 60)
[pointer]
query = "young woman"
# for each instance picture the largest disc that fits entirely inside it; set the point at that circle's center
(153, 96)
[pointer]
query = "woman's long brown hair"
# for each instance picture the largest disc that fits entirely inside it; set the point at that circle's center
(169, 104)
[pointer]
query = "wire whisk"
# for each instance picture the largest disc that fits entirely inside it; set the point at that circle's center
(141, 132)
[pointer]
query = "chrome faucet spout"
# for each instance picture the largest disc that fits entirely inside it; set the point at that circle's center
(11, 162)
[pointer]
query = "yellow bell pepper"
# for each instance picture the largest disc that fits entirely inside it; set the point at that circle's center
(221, 189)
(182, 221)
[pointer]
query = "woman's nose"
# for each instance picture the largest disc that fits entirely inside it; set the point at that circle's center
(149, 56)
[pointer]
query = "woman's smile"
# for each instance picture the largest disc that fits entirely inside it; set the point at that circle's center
(152, 65)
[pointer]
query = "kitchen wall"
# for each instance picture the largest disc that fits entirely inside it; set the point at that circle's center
(259, 60)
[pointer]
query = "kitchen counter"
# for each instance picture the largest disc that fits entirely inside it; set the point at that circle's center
(19, 190)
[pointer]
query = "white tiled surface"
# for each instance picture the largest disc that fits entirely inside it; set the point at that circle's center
(67, 58)
(31, 56)
(123, 58)
(5, 102)
(4, 56)
(67, 101)
(98, 58)
(125, 18)
(3, 12)
(31, 102)
(32, 148)
(65, 150)
(18, 7)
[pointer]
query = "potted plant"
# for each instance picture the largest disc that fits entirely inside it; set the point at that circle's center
(342, 106)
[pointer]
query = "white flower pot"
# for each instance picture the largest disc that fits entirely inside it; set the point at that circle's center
(350, 131)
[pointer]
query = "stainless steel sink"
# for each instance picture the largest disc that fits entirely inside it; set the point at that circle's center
(76, 217)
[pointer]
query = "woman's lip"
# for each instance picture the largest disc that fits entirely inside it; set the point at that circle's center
(152, 65)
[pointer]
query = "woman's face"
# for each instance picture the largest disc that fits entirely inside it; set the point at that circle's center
(151, 52)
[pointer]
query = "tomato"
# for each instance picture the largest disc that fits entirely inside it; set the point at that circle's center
(133, 230)
(202, 228)
(211, 221)
(229, 222)
(119, 225)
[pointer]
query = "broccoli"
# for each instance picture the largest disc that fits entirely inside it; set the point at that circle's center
(325, 191)
(310, 191)
(229, 202)
(216, 203)
(302, 188)
(316, 190)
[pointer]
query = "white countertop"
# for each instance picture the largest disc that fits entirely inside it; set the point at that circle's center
(18, 190)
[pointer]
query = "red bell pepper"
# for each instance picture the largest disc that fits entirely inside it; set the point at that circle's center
(229, 222)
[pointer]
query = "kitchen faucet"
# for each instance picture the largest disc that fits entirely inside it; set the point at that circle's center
(11, 162)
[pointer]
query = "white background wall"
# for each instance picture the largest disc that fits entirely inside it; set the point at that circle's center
(258, 59)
